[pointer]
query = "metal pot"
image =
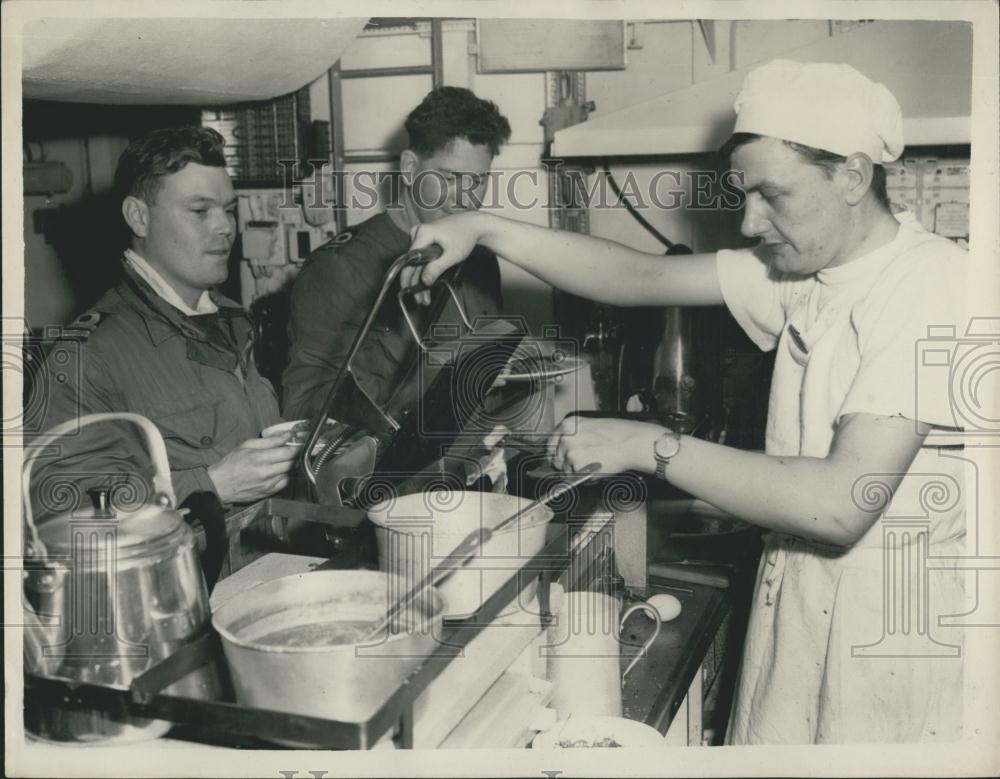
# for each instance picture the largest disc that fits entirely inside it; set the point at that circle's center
(108, 594)
(301, 643)
(416, 532)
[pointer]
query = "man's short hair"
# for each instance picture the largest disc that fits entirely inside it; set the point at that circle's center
(447, 113)
(160, 153)
(826, 160)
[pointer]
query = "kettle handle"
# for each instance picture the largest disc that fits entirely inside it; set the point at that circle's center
(162, 484)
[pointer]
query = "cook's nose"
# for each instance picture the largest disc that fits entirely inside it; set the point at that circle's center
(754, 222)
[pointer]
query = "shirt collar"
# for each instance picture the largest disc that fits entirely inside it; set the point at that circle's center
(149, 274)
(876, 259)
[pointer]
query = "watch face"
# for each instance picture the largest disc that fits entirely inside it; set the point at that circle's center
(667, 445)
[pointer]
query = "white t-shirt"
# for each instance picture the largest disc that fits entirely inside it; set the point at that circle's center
(863, 324)
(863, 327)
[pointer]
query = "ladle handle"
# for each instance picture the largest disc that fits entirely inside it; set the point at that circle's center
(477, 538)
(584, 474)
(459, 555)
(657, 624)
(154, 441)
(472, 543)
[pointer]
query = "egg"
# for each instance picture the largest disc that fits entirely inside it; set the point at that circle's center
(666, 605)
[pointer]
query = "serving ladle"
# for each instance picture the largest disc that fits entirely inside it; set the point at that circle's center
(473, 542)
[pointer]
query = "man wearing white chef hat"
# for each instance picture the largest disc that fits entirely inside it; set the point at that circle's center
(844, 291)
(824, 105)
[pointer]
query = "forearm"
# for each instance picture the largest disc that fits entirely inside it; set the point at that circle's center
(803, 496)
(599, 269)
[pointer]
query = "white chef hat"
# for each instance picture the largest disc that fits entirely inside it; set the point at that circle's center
(824, 105)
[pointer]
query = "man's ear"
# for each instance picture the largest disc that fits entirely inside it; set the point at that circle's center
(136, 214)
(409, 162)
(859, 171)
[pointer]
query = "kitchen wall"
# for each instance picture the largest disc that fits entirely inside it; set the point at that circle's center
(662, 56)
(72, 240)
(50, 296)
(375, 109)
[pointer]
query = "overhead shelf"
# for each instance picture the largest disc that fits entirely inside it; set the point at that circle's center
(926, 65)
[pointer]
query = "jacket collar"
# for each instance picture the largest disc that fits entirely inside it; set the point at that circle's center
(162, 320)
(159, 285)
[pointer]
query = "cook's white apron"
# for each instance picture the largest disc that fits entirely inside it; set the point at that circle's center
(844, 646)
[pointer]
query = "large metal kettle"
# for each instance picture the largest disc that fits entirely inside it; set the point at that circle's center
(108, 593)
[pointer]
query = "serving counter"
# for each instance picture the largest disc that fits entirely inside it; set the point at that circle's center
(485, 685)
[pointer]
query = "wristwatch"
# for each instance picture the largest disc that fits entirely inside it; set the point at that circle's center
(664, 448)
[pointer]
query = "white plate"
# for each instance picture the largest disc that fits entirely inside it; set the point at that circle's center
(591, 730)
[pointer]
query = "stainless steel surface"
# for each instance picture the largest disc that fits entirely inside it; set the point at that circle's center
(227, 723)
(654, 691)
(111, 596)
(691, 530)
(694, 572)
(675, 382)
(346, 682)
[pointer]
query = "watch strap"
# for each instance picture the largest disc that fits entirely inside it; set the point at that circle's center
(661, 461)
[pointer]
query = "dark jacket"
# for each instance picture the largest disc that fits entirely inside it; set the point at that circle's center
(193, 376)
(332, 296)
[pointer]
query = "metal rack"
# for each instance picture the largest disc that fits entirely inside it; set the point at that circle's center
(227, 723)
(422, 418)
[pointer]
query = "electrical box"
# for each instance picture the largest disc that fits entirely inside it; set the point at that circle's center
(274, 228)
(277, 234)
(935, 190)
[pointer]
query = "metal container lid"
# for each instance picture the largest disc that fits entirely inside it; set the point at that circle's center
(148, 532)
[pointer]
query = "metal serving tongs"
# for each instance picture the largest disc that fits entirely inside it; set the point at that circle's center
(366, 412)
(473, 542)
